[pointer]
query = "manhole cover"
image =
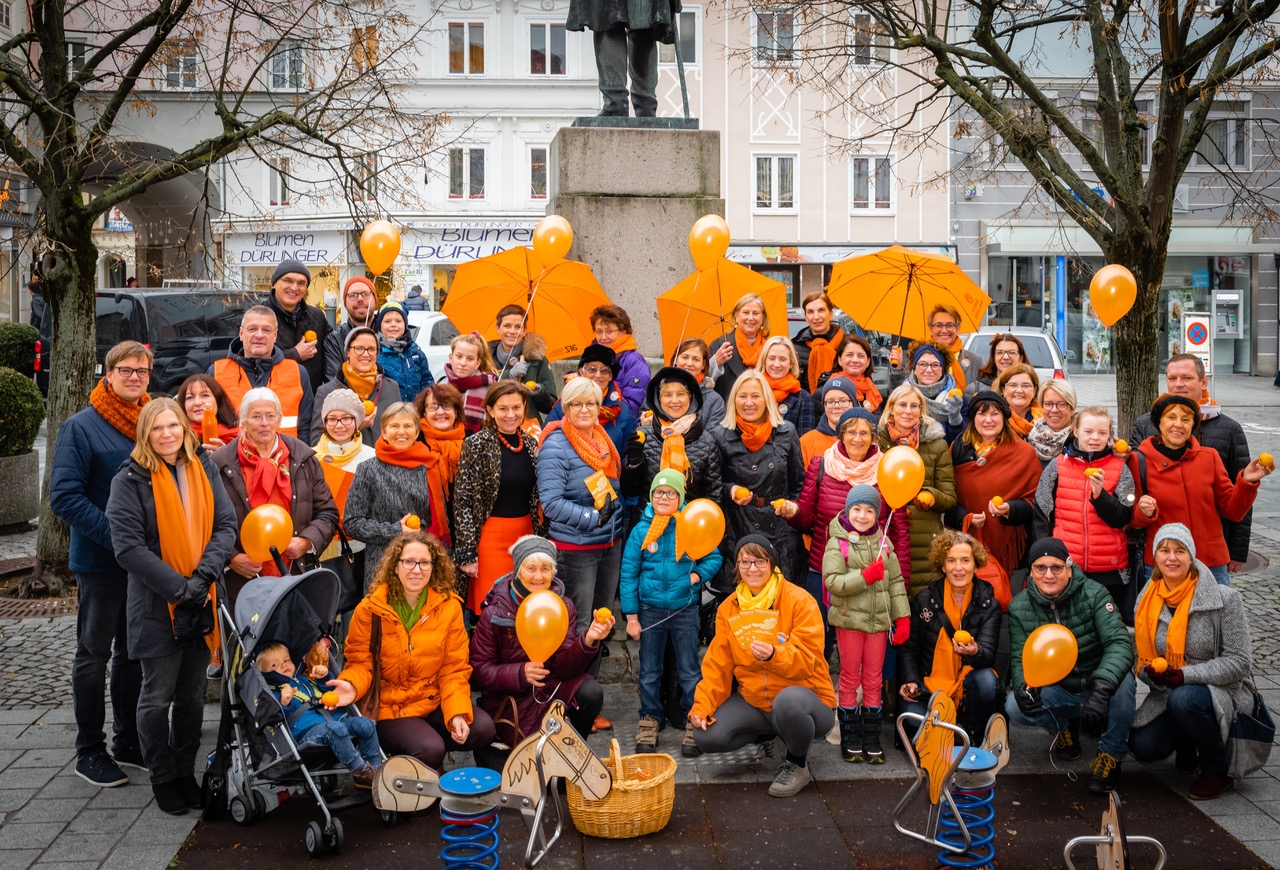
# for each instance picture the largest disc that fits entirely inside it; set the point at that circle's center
(28, 608)
(1253, 563)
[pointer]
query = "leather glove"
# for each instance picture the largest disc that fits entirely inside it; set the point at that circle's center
(901, 630)
(1093, 715)
(1028, 699)
(195, 592)
(635, 450)
(1171, 679)
(518, 369)
(607, 510)
(874, 571)
(952, 405)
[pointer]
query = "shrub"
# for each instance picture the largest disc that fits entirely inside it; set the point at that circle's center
(21, 412)
(18, 346)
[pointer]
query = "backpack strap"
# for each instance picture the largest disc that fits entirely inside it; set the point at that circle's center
(844, 548)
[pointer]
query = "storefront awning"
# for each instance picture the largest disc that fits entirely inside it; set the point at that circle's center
(764, 253)
(1031, 239)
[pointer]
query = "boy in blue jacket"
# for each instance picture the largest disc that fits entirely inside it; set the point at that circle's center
(660, 597)
(311, 722)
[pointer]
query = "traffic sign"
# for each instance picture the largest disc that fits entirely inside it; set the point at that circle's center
(1197, 337)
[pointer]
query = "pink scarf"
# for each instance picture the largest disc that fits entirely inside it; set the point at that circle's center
(836, 462)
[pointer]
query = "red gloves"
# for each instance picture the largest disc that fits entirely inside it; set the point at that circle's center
(874, 571)
(901, 630)
(1170, 679)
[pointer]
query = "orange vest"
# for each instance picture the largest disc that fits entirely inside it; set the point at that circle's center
(285, 382)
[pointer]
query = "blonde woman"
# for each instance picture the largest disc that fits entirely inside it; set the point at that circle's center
(733, 354)
(781, 367)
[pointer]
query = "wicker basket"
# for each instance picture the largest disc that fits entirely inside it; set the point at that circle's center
(634, 807)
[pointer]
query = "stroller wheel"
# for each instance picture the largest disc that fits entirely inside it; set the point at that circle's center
(314, 840)
(241, 812)
(333, 835)
(390, 818)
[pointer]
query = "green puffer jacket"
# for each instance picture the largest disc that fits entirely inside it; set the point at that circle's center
(855, 603)
(1085, 607)
(940, 481)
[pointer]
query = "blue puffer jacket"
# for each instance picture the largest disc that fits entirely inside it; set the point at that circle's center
(655, 576)
(305, 692)
(620, 429)
(566, 501)
(405, 363)
(88, 454)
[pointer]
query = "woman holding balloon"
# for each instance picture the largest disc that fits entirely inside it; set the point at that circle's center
(525, 653)
(209, 411)
(263, 467)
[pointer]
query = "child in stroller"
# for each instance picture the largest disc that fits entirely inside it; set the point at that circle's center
(311, 721)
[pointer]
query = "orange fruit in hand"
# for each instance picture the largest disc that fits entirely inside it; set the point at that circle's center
(956, 392)
(741, 492)
(1122, 446)
(1159, 665)
(777, 503)
(309, 335)
(329, 699)
(1266, 461)
(604, 614)
(1092, 472)
(963, 637)
(997, 500)
(413, 522)
(925, 499)
(368, 407)
(532, 385)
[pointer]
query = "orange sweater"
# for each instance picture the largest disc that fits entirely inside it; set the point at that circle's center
(814, 443)
(797, 660)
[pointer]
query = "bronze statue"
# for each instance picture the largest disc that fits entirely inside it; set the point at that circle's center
(626, 35)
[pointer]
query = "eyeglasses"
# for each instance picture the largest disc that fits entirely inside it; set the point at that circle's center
(753, 564)
(411, 565)
(836, 403)
(361, 295)
(264, 418)
(596, 371)
(929, 366)
(664, 494)
(1019, 388)
(344, 420)
(583, 406)
(1051, 570)
(603, 331)
(1056, 406)
(433, 407)
(126, 372)
(363, 351)
(1005, 353)
(948, 325)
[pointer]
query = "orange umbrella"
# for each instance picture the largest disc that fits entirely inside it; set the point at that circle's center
(701, 306)
(558, 301)
(892, 291)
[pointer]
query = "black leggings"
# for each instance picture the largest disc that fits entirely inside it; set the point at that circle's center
(798, 716)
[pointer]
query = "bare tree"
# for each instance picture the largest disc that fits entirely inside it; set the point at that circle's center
(1000, 72)
(76, 80)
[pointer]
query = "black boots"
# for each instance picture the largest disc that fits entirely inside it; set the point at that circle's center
(871, 750)
(850, 733)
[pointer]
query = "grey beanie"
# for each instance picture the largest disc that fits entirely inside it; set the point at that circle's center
(527, 545)
(863, 493)
(1175, 532)
(289, 266)
(343, 399)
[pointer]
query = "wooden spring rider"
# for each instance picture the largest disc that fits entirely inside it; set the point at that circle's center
(1112, 844)
(470, 797)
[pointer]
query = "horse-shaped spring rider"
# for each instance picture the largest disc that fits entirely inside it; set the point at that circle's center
(470, 797)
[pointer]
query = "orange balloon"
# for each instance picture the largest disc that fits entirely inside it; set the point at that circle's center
(542, 624)
(1048, 655)
(708, 240)
(900, 475)
(266, 526)
(1112, 293)
(552, 238)
(380, 245)
(699, 528)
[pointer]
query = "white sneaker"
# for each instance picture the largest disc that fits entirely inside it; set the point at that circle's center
(791, 779)
(772, 754)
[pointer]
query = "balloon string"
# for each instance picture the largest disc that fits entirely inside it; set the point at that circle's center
(524, 321)
(688, 310)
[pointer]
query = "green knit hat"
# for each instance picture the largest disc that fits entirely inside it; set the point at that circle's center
(668, 477)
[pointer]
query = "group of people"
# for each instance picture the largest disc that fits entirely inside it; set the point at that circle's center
(442, 504)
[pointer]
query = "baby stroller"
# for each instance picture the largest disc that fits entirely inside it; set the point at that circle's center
(257, 763)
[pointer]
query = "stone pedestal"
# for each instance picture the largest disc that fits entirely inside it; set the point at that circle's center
(632, 197)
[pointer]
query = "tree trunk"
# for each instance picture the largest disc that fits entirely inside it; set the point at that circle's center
(70, 282)
(1134, 344)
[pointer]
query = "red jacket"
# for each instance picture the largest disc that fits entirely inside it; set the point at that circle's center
(1196, 492)
(1093, 544)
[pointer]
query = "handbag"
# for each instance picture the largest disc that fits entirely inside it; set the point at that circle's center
(371, 704)
(1249, 739)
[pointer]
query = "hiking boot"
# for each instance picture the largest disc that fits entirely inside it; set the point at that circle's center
(1066, 744)
(1104, 774)
(647, 736)
(169, 798)
(98, 769)
(1187, 761)
(1209, 786)
(129, 756)
(850, 721)
(688, 746)
(791, 778)
(189, 788)
(772, 754)
(364, 775)
(871, 751)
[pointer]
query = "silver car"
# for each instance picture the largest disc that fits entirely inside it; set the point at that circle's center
(1043, 352)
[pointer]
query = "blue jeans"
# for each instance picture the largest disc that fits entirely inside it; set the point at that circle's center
(100, 638)
(340, 736)
(982, 695)
(1061, 706)
(1188, 720)
(813, 585)
(682, 628)
(1220, 573)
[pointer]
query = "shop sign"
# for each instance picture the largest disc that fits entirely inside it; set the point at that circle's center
(273, 247)
(462, 244)
(116, 222)
(824, 254)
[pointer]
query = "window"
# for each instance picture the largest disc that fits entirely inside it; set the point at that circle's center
(1092, 127)
(180, 67)
(77, 53)
(278, 182)
(1226, 139)
(6, 14)
(870, 44)
(366, 180)
(466, 173)
(466, 49)
(775, 38)
(872, 188)
(775, 182)
(286, 67)
(546, 50)
(688, 23)
(538, 173)
(364, 47)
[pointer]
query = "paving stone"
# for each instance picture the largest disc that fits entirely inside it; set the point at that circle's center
(133, 795)
(8, 756)
(154, 828)
(29, 778)
(1252, 827)
(70, 786)
(50, 809)
(52, 757)
(12, 799)
(145, 857)
(18, 859)
(81, 847)
(1271, 808)
(65, 865)
(19, 717)
(36, 835)
(93, 821)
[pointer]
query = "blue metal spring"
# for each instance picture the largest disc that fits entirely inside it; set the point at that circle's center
(471, 840)
(979, 816)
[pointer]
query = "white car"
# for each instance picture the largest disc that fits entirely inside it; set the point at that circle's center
(1043, 352)
(432, 332)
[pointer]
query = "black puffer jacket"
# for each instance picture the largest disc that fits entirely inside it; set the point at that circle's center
(292, 327)
(702, 480)
(1227, 437)
(929, 616)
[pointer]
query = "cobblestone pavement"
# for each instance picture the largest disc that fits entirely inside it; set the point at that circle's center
(49, 817)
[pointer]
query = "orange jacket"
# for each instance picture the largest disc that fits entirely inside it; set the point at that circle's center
(423, 668)
(797, 659)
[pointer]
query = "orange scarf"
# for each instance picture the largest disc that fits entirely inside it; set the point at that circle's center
(597, 450)
(267, 481)
(783, 386)
(418, 455)
(447, 444)
(949, 669)
(755, 435)
(362, 385)
(656, 528)
(1147, 619)
(822, 357)
(957, 370)
(674, 455)
(122, 416)
(897, 436)
(184, 521)
(1021, 425)
(867, 392)
(625, 342)
(749, 353)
